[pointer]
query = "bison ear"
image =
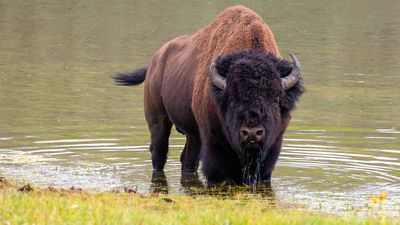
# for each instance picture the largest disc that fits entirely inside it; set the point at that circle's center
(222, 65)
(292, 95)
(284, 67)
(225, 61)
(288, 103)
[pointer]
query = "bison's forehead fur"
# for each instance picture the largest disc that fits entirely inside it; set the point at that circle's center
(253, 77)
(253, 86)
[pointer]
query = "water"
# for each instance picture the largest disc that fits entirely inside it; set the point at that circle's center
(64, 123)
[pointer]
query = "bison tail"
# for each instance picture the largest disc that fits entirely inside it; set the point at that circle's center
(132, 78)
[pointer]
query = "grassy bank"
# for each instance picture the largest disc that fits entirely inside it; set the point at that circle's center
(74, 206)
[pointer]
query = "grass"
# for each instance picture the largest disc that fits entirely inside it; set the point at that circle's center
(74, 206)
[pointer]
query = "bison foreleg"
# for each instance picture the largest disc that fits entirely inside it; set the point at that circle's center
(272, 157)
(191, 155)
(220, 165)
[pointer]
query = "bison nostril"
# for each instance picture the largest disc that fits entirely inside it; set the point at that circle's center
(252, 134)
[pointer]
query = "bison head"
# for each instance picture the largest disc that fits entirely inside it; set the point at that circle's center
(255, 92)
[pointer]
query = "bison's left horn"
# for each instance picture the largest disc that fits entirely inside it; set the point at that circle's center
(294, 76)
(218, 80)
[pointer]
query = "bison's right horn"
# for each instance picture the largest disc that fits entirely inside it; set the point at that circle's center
(218, 80)
(294, 76)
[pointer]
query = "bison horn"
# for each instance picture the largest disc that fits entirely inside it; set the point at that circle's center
(218, 80)
(290, 80)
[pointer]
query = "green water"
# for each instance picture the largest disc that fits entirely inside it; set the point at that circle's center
(64, 123)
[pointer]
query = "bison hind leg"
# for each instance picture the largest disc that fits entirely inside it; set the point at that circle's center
(160, 130)
(191, 155)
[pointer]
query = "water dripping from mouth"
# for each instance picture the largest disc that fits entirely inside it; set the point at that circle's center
(252, 167)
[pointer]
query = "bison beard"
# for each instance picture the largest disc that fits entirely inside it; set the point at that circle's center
(252, 164)
(226, 77)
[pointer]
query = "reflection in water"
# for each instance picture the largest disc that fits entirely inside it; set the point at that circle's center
(190, 180)
(263, 191)
(159, 183)
(192, 186)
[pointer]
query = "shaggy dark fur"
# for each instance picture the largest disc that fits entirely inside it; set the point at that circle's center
(253, 97)
(256, 69)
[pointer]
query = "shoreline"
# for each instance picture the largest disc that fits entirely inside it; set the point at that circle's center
(34, 205)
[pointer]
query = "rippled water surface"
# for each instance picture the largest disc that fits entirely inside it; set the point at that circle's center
(64, 123)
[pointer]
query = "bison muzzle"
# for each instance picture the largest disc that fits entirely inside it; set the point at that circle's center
(228, 90)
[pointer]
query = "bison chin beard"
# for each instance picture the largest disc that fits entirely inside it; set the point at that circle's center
(252, 153)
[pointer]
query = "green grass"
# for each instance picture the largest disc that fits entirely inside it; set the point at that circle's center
(50, 206)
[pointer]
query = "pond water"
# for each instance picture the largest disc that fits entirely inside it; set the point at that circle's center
(64, 123)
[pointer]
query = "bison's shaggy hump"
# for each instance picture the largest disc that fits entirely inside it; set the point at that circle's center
(235, 29)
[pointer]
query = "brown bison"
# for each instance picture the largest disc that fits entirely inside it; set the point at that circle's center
(228, 90)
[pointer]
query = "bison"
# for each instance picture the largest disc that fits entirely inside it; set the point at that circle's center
(228, 90)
